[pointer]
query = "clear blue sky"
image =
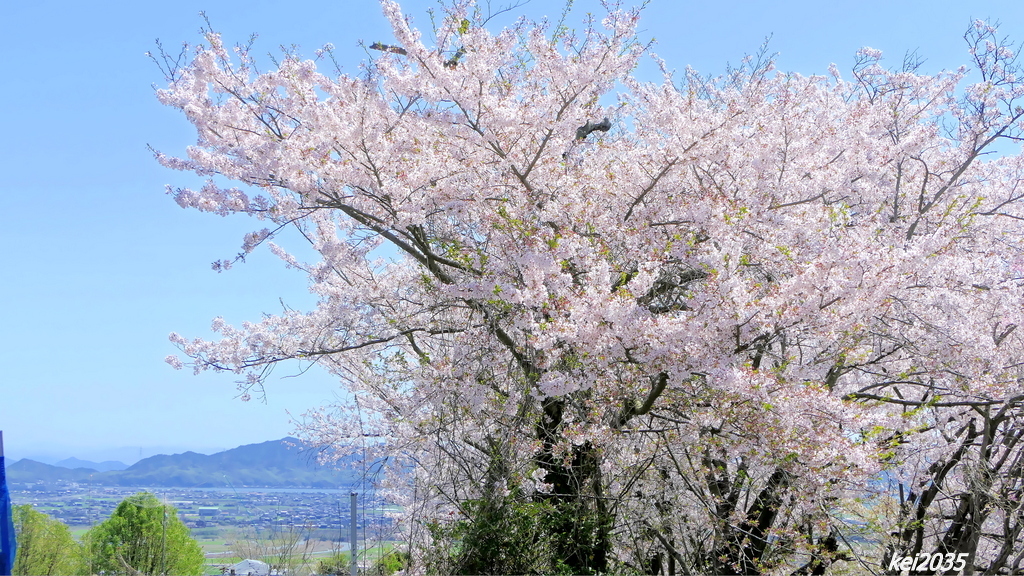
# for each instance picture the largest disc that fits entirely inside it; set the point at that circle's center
(98, 265)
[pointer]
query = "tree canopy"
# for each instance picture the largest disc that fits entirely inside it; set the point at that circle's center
(45, 545)
(144, 536)
(685, 327)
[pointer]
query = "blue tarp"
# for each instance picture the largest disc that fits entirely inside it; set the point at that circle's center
(7, 540)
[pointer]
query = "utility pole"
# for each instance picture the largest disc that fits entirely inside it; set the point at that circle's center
(353, 567)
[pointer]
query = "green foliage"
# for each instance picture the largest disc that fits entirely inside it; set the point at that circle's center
(144, 536)
(390, 563)
(337, 565)
(573, 529)
(501, 536)
(45, 545)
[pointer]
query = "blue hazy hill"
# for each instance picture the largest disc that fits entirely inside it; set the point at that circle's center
(285, 463)
(105, 466)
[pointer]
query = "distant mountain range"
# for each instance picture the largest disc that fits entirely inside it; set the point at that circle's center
(285, 463)
(105, 466)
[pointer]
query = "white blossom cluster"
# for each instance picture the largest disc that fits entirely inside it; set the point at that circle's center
(760, 288)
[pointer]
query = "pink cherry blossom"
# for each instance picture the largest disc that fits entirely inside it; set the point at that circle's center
(701, 312)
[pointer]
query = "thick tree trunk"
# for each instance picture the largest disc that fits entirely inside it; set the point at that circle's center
(583, 524)
(745, 544)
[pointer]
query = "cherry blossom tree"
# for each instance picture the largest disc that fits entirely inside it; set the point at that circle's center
(675, 327)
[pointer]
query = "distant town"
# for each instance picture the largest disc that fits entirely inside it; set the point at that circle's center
(324, 513)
